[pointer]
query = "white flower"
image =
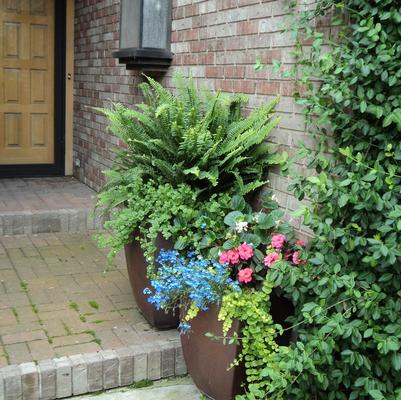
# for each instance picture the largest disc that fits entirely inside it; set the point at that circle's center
(241, 226)
(256, 217)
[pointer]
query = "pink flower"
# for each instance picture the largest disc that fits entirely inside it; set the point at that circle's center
(270, 259)
(245, 275)
(278, 241)
(296, 259)
(223, 258)
(245, 251)
(300, 243)
(288, 256)
(233, 256)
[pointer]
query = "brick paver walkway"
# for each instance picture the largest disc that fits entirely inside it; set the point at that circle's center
(56, 300)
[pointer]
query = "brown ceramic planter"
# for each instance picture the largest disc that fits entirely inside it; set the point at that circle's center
(208, 360)
(137, 266)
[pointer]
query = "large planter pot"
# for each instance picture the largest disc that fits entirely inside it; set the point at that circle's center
(208, 360)
(137, 267)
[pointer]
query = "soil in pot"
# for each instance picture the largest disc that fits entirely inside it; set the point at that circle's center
(208, 361)
(137, 267)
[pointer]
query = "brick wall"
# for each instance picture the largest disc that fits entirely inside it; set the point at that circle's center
(98, 80)
(217, 41)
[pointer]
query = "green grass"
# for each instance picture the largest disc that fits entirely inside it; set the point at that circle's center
(15, 312)
(141, 384)
(82, 318)
(95, 338)
(93, 304)
(67, 329)
(92, 333)
(24, 285)
(74, 306)
(35, 308)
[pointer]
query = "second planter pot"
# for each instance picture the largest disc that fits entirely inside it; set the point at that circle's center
(208, 361)
(137, 271)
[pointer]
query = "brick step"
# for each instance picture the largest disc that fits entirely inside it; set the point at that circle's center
(46, 205)
(48, 221)
(92, 372)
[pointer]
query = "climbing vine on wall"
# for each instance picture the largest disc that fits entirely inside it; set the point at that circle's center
(348, 295)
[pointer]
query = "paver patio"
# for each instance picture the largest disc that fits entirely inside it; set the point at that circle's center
(56, 299)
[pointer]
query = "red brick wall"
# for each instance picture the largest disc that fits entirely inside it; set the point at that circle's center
(98, 80)
(217, 41)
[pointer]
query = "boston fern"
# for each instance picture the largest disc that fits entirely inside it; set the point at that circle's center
(185, 154)
(195, 137)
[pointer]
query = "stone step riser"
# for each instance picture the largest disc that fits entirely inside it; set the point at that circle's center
(63, 220)
(86, 373)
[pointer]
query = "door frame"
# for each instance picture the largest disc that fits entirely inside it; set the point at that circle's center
(58, 168)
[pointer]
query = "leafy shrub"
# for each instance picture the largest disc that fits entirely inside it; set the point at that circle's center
(347, 297)
(185, 155)
(151, 208)
(195, 137)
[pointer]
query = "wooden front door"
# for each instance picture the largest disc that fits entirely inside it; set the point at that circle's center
(27, 82)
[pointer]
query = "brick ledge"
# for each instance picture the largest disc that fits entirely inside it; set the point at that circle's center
(91, 372)
(46, 221)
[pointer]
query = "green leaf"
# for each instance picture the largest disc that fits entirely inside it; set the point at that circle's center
(313, 179)
(180, 244)
(396, 361)
(318, 259)
(343, 200)
(238, 203)
(258, 64)
(376, 394)
(233, 217)
(229, 244)
(194, 171)
(251, 239)
(368, 333)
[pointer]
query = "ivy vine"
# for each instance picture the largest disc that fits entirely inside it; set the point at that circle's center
(347, 297)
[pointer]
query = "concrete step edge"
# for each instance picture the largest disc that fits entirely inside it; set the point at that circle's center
(48, 221)
(92, 372)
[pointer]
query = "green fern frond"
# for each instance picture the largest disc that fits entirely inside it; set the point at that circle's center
(194, 136)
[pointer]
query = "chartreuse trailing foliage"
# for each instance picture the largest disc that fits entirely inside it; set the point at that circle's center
(347, 297)
(252, 308)
(195, 137)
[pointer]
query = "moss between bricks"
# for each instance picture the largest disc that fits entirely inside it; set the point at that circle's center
(93, 304)
(142, 384)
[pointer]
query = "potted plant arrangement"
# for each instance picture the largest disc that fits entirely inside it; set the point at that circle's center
(184, 156)
(225, 292)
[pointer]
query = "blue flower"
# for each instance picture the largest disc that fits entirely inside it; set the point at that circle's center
(192, 278)
(184, 327)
